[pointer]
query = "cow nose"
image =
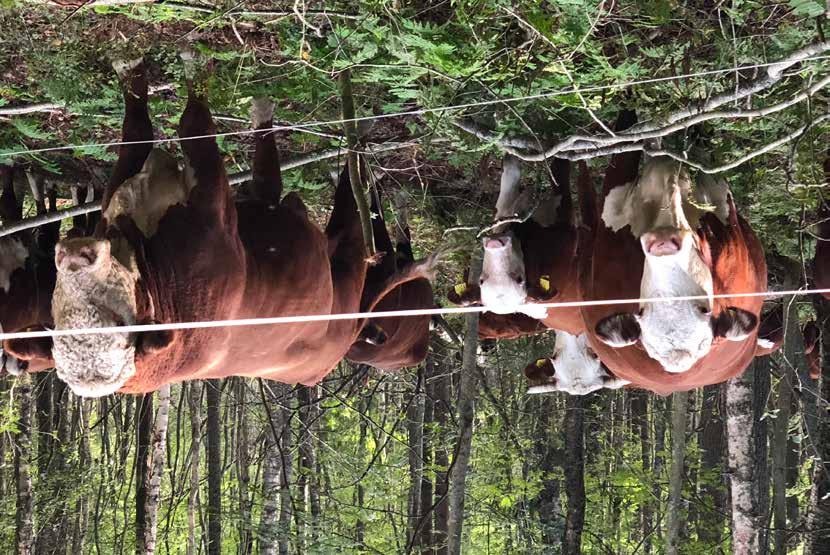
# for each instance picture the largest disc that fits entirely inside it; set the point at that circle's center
(75, 259)
(662, 243)
(497, 242)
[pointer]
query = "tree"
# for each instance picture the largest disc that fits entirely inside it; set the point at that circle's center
(678, 451)
(574, 475)
(214, 467)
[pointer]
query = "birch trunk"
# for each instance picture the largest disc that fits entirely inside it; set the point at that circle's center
(155, 470)
(468, 393)
(678, 453)
(746, 522)
(144, 433)
(415, 431)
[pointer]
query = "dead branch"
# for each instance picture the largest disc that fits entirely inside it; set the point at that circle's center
(745, 158)
(589, 146)
(208, 9)
(31, 109)
(352, 139)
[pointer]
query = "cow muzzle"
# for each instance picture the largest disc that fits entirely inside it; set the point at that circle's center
(76, 255)
(663, 242)
(497, 242)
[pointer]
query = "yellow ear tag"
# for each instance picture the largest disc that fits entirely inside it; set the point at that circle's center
(541, 362)
(460, 288)
(544, 281)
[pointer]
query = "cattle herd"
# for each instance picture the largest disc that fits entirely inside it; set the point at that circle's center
(176, 245)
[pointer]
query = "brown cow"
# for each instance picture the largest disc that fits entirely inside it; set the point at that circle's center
(27, 271)
(397, 282)
(201, 258)
(532, 262)
(671, 248)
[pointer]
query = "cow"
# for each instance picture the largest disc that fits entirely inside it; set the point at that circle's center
(396, 282)
(655, 240)
(535, 261)
(200, 256)
(27, 273)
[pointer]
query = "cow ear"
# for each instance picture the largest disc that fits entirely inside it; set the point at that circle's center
(151, 342)
(539, 370)
(34, 349)
(619, 330)
(542, 291)
(735, 324)
(465, 294)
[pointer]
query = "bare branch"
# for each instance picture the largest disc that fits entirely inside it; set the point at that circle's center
(30, 109)
(745, 158)
(589, 146)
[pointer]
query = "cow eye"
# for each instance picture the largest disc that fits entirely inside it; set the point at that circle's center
(520, 280)
(481, 281)
(592, 354)
(704, 310)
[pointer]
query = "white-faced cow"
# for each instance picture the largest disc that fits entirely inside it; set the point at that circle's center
(532, 262)
(658, 241)
(178, 249)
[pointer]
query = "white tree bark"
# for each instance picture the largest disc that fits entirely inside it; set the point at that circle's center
(155, 469)
(746, 525)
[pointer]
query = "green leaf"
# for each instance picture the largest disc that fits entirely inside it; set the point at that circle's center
(809, 8)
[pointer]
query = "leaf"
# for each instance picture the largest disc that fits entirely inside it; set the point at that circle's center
(30, 129)
(809, 8)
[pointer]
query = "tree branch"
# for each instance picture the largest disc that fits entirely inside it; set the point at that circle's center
(745, 158)
(589, 146)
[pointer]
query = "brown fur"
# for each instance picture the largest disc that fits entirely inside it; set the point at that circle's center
(613, 270)
(212, 260)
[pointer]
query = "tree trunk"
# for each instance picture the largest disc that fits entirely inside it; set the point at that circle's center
(194, 401)
(308, 458)
(272, 538)
(144, 435)
(360, 528)
(24, 520)
(286, 501)
(441, 380)
(547, 504)
(574, 475)
(155, 469)
(818, 518)
(710, 438)
(659, 417)
(415, 431)
(678, 453)
(779, 464)
(468, 393)
(214, 468)
(246, 539)
(746, 524)
(85, 456)
(761, 386)
(639, 415)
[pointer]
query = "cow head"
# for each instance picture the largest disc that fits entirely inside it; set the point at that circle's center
(94, 289)
(658, 212)
(574, 368)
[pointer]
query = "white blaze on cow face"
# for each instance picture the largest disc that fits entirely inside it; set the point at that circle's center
(13, 256)
(93, 290)
(503, 281)
(677, 333)
(577, 368)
